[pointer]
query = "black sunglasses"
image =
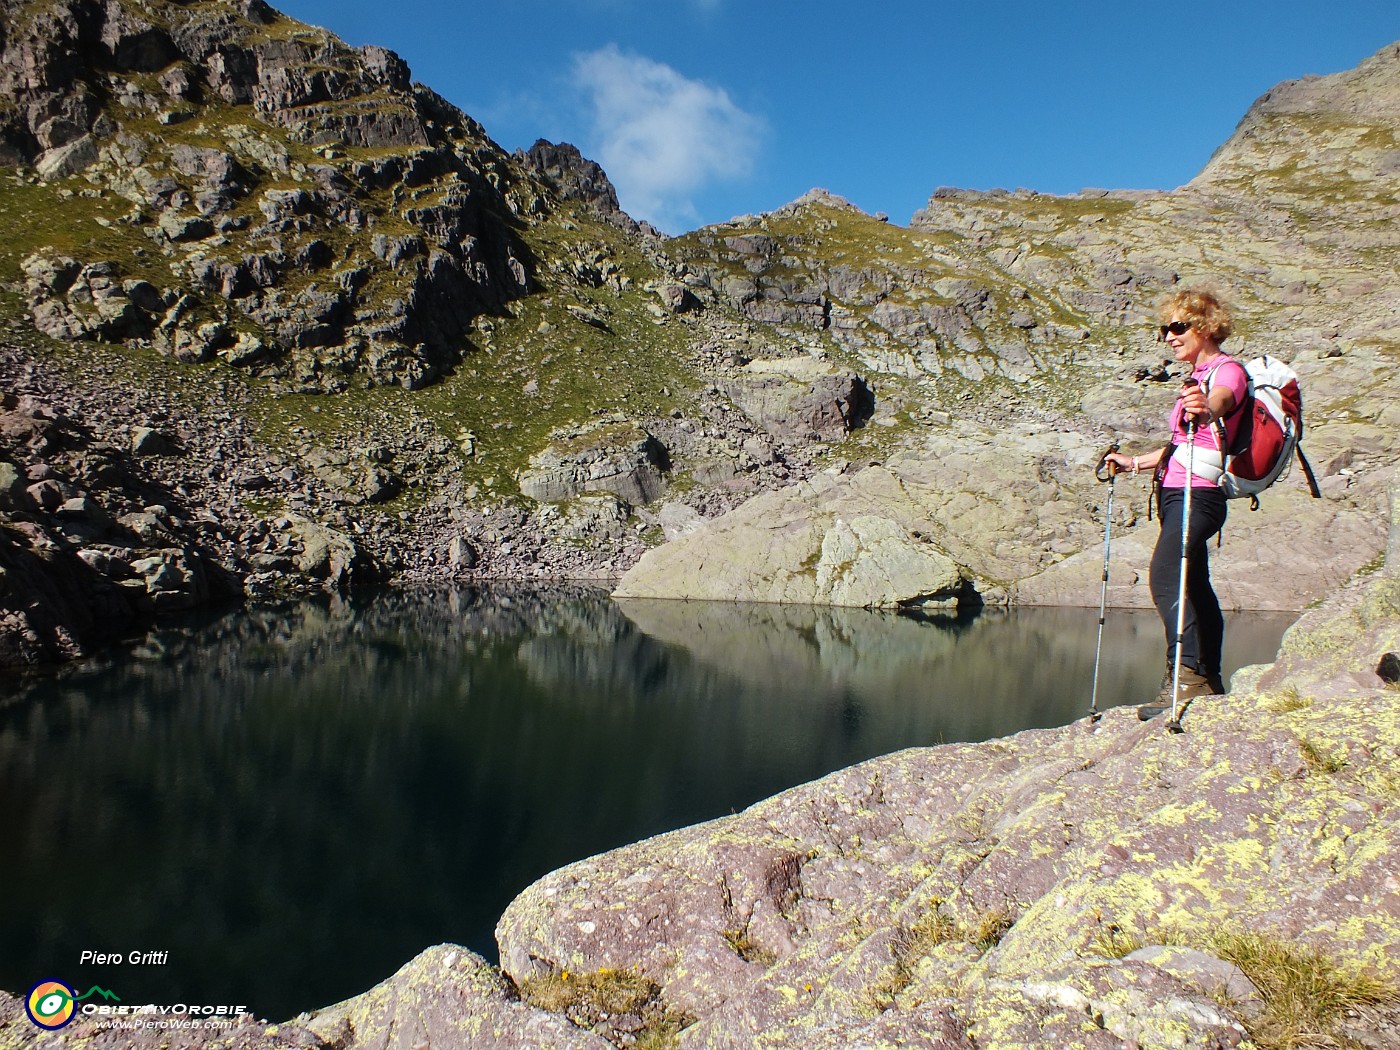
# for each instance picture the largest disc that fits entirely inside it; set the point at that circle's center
(1176, 328)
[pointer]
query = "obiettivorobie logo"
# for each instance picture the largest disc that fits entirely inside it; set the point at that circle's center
(53, 1004)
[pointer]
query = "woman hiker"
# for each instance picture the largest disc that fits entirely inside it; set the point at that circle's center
(1194, 324)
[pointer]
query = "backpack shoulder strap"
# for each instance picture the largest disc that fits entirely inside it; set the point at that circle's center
(1219, 424)
(1216, 368)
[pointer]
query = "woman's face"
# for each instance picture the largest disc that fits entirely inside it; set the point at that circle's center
(1187, 345)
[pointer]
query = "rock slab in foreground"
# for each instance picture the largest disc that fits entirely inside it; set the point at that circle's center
(985, 895)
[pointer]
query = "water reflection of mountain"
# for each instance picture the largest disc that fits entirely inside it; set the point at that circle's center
(959, 677)
(293, 801)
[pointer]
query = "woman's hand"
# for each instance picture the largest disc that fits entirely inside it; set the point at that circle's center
(1193, 403)
(1117, 463)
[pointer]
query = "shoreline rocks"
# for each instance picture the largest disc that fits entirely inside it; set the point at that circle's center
(1007, 515)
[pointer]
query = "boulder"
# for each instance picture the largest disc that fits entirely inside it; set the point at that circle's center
(323, 554)
(801, 398)
(68, 159)
(11, 486)
(74, 300)
(445, 996)
(113, 562)
(180, 228)
(190, 344)
(173, 579)
(249, 350)
(815, 542)
(613, 455)
(48, 494)
(461, 555)
(678, 299)
(147, 441)
(677, 520)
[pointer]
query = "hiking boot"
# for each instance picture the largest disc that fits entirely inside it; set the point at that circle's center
(1193, 684)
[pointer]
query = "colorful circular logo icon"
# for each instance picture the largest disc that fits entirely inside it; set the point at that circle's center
(51, 1004)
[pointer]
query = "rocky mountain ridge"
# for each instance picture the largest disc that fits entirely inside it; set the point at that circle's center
(281, 261)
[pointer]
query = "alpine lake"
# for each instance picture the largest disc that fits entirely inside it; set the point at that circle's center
(277, 808)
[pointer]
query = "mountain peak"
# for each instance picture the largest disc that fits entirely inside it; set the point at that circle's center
(818, 195)
(1348, 122)
(577, 178)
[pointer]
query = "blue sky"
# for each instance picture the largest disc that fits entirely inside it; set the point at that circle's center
(701, 110)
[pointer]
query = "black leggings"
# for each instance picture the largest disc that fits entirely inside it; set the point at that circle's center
(1203, 627)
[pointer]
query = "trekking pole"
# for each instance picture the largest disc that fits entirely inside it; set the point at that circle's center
(1112, 477)
(1174, 726)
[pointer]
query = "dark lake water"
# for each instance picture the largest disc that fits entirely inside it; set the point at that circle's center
(291, 803)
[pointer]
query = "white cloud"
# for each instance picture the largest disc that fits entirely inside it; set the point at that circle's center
(660, 136)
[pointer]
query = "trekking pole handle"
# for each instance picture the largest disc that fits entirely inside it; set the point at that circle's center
(1113, 468)
(1189, 422)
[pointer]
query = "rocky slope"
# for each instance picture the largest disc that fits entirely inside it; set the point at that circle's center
(341, 304)
(225, 239)
(343, 310)
(1019, 326)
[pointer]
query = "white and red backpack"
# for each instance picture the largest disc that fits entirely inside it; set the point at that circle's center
(1269, 435)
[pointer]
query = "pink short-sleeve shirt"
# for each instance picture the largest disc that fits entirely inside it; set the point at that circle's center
(1224, 371)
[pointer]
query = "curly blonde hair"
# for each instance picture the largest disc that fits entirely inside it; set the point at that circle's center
(1203, 309)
